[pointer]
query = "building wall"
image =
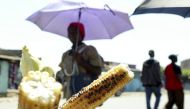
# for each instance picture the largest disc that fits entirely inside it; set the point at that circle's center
(10, 75)
(4, 69)
(185, 64)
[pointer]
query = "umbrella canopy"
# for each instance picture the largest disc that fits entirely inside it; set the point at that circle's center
(99, 23)
(178, 7)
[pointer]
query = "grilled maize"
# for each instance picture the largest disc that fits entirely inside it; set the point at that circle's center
(101, 89)
(38, 89)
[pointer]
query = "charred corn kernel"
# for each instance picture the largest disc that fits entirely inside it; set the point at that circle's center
(101, 89)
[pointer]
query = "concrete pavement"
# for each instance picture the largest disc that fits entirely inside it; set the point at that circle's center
(136, 100)
(128, 100)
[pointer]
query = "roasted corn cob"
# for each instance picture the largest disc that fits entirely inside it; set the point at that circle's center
(101, 89)
(38, 89)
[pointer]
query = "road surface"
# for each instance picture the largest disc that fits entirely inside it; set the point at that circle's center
(128, 100)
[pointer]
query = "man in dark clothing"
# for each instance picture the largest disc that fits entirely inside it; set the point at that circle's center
(151, 79)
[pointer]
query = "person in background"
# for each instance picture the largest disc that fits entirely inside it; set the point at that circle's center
(81, 64)
(151, 79)
(18, 78)
(173, 84)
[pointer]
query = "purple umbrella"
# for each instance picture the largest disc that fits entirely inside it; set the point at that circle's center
(99, 23)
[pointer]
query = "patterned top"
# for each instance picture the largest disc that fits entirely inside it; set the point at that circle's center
(88, 53)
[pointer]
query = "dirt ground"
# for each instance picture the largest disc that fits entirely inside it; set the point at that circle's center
(129, 100)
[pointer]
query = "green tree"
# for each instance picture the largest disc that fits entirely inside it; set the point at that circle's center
(186, 72)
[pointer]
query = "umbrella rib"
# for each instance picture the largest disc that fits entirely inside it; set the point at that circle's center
(101, 23)
(110, 36)
(53, 18)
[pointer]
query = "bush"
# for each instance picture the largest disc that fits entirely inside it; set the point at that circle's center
(186, 72)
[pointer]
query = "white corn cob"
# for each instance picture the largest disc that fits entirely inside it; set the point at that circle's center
(38, 89)
(101, 89)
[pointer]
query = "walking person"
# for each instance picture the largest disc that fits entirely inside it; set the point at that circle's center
(151, 79)
(173, 84)
(82, 63)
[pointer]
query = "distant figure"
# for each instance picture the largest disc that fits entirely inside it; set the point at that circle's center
(151, 79)
(173, 84)
(82, 63)
(18, 78)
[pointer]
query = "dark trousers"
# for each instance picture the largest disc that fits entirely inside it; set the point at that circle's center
(149, 90)
(80, 81)
(175, 97)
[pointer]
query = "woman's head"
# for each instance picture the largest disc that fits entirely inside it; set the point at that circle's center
(173, 58)
(76, 32)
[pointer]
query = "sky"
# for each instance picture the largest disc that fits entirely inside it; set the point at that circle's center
(165, 33)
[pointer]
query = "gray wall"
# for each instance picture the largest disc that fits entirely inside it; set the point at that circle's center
(185, 64)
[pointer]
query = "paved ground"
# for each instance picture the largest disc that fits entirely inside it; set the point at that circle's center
(128, 100)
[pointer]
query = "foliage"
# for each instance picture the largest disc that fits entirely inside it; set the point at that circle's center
(186, 72)
(162, 69)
